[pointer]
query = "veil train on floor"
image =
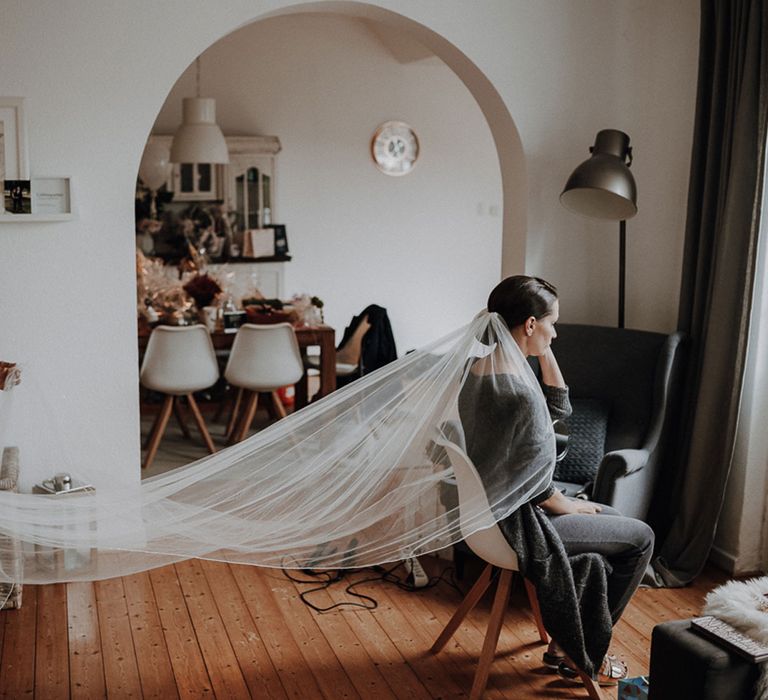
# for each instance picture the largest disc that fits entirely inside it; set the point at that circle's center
(353, 480)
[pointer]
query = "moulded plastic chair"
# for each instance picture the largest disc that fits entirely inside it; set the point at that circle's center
(179, 361)
(264, 358)
(490, 545)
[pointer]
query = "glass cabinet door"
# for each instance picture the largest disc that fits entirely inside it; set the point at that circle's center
(252, 198)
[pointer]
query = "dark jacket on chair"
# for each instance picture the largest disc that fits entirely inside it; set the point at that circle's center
(378, 346)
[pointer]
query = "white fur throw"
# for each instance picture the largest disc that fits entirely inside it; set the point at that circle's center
(744, 605)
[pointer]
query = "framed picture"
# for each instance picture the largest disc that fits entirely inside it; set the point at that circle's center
(50, 195)
(281, 239)
(17, 196)
(13, 140)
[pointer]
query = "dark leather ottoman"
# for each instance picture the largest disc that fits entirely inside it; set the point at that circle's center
(685, 665)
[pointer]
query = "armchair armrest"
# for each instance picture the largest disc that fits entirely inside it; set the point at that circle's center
(621, 481)
(622, 462)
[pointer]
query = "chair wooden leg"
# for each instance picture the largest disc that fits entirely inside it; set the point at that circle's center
(180, 418)
(246, 417)
(469, 602)
(591, 687)
(157, 430)
(232, 422)
(498, 609)
(533, 599)
(201, 423)
(278, 404)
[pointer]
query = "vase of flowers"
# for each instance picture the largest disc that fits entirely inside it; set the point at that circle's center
(203, 289)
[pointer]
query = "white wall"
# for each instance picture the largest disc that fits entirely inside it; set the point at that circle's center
(95, 76)
(414, 244)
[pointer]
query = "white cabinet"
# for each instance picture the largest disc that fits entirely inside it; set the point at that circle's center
(249, 182)
(246, 184)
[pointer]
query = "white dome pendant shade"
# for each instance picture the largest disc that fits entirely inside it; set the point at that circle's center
(199, 139)
(155, 167)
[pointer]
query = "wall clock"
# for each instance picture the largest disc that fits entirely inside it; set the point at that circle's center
(395, 148)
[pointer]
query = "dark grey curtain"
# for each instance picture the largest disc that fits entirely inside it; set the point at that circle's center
(717, 278)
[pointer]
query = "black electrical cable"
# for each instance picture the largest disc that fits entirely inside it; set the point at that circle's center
(325, 579)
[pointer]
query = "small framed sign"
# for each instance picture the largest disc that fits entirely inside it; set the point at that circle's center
(50, 195)
(281, 239)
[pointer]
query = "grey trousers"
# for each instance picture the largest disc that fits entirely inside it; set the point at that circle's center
(626, 543)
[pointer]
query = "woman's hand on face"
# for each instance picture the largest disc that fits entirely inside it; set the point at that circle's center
(550, 370)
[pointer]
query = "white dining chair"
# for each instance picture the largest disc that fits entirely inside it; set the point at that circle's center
(179, 361)
(484, 537)
(264, 358)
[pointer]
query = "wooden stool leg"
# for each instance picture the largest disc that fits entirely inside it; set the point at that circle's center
(235, 413)
(592, 688)
(533, 599)
(278, 404)
(492, 635)
(469, 602)
(180, 418)
(157, 430)
(201, 423)
(246, 418)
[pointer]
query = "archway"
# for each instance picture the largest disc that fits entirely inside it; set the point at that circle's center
(507, 251)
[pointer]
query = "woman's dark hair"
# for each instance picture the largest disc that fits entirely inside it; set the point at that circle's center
(519, 297)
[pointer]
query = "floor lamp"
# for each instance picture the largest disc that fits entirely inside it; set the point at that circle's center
(602, 187)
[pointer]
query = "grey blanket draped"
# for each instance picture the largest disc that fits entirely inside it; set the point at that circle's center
(572, 590)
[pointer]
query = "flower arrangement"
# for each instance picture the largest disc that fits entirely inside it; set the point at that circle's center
(203, 289)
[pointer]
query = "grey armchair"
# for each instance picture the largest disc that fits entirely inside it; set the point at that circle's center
(624, 390)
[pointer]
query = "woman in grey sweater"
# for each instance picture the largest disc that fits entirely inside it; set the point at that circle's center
(506, 425)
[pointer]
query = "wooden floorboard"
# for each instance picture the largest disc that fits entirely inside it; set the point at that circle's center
(86, 664)
(52, 644)
(121, 671)
(186, 658)
(152, 659)
(252, 654)
(17, 667)
(204, 629)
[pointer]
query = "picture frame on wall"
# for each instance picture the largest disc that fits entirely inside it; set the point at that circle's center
(14, 166)
(13, 153)
(281, 239)
(17, 196)
(50, 196)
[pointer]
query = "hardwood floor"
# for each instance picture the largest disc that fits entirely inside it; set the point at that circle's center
(205, 629)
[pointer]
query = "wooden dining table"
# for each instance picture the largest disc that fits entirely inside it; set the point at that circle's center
(307, 336)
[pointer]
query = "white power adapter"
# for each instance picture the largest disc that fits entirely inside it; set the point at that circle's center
(417, 577)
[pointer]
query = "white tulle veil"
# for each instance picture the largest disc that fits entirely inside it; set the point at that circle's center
(356, 479)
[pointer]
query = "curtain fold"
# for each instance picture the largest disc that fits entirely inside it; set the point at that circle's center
(723, 219)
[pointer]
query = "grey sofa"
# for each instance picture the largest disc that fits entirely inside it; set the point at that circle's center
(624, 387)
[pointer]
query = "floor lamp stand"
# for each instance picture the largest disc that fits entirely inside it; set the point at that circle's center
(622, 268)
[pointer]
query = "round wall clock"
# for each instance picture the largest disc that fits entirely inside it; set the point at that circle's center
(395, 148)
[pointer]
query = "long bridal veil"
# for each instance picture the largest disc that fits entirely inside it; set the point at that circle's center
(359, 478)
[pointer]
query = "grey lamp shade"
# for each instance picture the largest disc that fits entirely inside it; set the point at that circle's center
(199, 139)
(603, 187)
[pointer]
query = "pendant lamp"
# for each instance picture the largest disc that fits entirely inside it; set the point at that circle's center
(199, 139)
(603, 187)
(154, 171)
